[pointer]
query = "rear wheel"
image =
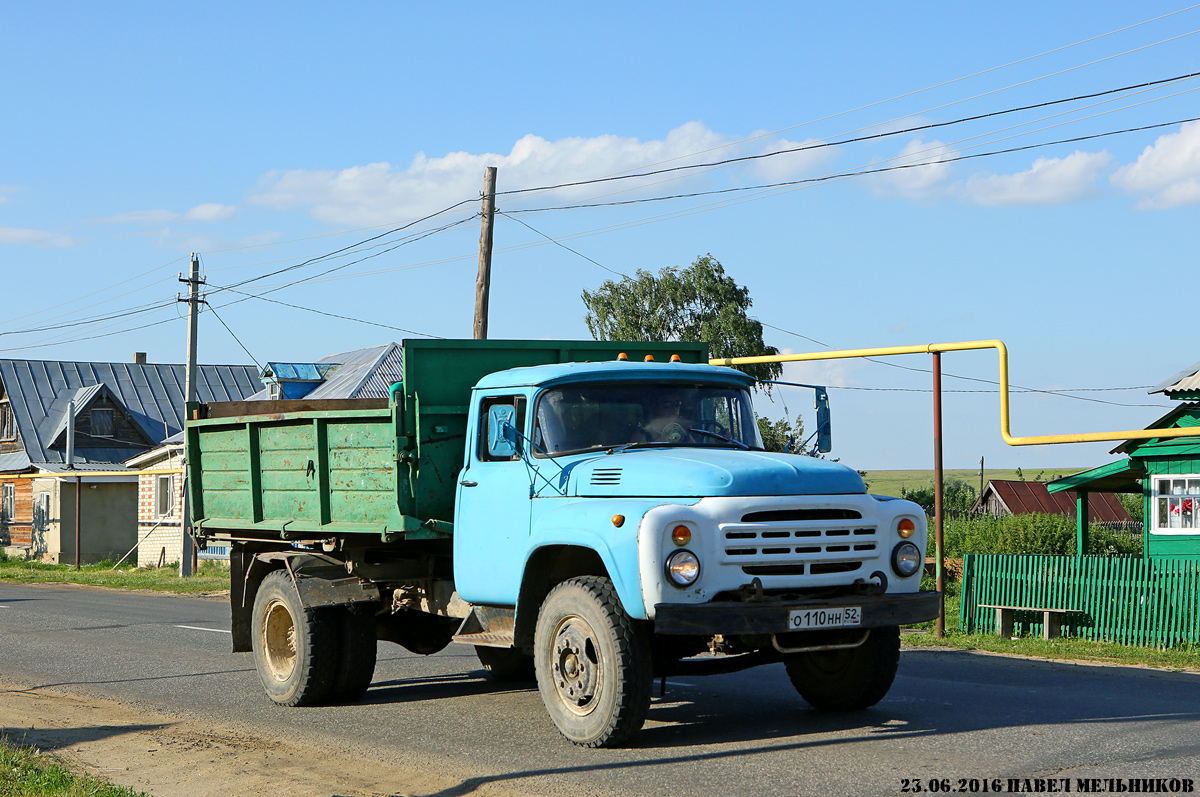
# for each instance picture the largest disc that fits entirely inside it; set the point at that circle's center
(505, 664)
(295, 649)
(356, 651)
(593, 663)
(850, 679)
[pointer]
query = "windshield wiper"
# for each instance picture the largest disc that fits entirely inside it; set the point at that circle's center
(720, 436)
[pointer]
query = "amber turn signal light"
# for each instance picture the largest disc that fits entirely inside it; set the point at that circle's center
(618, 520)
(681, 535)
(906, 527)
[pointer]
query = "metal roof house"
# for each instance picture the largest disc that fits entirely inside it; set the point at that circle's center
(1002, 498)
(60, 420)
(360, 373)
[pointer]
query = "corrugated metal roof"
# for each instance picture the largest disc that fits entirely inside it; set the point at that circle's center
(307, 372)
(1186, 381)
(39, 391)
(1024, 498)
(364, 373)
(361, 373)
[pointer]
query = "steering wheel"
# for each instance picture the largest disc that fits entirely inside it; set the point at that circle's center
(717, 426)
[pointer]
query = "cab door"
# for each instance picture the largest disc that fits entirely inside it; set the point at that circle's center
(491, 518)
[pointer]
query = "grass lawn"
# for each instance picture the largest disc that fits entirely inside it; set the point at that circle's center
(210, 576)
(26, 772)
(889, 482)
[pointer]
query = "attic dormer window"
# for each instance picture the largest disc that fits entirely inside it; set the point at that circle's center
(8, 422)
(102, 423)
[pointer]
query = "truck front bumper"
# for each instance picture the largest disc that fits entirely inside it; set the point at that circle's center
(772, 617)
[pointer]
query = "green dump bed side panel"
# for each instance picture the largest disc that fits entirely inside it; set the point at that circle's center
(364, 465)
(312, 471)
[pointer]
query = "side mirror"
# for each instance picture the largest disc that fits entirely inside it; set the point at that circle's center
(502, 431)
(824, 426)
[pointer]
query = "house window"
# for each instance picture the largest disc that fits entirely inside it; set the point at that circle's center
(41, 513)
(1176, 501)
(164, 495)
(7, 500)
(8, 422)
(102, 423)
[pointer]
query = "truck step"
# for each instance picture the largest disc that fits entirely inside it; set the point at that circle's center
(486, 639)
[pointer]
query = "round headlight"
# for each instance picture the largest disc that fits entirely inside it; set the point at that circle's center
(683, 568)
(906, 559)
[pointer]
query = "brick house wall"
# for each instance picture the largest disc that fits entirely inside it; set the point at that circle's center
(161, 536)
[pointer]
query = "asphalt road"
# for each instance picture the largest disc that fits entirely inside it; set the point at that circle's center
(950, 714)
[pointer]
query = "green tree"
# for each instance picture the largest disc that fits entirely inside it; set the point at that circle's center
(697, 303)
(777, 434)
(957, 496)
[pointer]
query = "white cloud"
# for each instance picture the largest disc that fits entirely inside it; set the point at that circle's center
(1049, 181)
(1167, 172)
(379, 193)
(918, 182)
(210, 211)
(16, 236)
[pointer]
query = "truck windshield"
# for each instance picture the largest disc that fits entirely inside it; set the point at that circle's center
(576, 418)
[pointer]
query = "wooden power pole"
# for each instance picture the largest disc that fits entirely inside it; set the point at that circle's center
(194, 282)
(483, 282)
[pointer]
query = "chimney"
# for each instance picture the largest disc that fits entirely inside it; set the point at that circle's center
(139, 358)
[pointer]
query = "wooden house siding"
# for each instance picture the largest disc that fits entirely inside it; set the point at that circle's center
(18, 530)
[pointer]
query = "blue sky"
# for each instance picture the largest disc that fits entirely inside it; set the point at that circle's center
(264, 135)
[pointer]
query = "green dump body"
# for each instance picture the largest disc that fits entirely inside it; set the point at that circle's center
(304, 469)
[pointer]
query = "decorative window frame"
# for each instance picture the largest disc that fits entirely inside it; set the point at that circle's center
(1175, 497)
(8, 502)
(164, 487)
(8, 422)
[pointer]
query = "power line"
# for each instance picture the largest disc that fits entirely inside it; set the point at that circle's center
(335, 315)
(858, 173)
(842, 142)
(253, 359)
(564, 246)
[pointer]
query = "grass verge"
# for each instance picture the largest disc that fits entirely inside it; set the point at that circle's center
(24, 772)
(209, 577)
(1175, 659)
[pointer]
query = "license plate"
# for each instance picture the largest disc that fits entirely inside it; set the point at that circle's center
(837, 617)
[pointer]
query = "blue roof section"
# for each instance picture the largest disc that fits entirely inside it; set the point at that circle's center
(305, 372)
(39, 391)
(613, 369)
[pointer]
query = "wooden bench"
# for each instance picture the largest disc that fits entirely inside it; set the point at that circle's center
(1051, 619)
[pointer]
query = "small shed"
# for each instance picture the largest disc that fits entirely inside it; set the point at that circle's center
(1002, 498)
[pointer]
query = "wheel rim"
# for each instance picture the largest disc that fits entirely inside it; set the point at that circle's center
(279, 641)
(578, 677)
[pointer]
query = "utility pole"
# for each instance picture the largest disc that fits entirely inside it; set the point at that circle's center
(194, 282)
(483, 282)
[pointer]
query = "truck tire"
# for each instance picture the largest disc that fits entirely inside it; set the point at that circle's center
(506, 665)
(356, 651)
(295, 649)
(593, 663)
(851, 679)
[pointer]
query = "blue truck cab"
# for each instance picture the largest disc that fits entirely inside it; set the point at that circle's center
(651, 477)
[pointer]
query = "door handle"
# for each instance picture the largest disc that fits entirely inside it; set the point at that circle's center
(469, 483)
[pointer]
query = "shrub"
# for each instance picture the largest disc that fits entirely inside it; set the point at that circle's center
(1031, 534)
(957, 496)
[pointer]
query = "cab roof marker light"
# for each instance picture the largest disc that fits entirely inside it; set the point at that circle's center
(649, 358)
(622, 356)
(675, 358)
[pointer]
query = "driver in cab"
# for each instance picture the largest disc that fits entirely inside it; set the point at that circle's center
(669, 419)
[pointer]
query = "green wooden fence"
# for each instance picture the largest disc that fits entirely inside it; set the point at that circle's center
(1133, 600)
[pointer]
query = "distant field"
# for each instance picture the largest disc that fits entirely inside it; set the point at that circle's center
(889, 482)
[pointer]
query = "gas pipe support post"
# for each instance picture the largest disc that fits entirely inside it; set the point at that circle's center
(937, 493)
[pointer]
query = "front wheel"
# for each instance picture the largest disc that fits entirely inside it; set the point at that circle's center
(593, 663)
(851, 679)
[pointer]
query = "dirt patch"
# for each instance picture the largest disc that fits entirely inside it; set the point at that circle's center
(172, 757)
